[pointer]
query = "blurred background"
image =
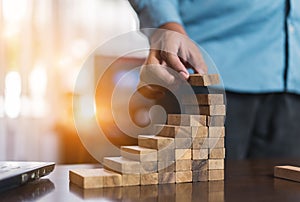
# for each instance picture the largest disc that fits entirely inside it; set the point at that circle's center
(43, 44)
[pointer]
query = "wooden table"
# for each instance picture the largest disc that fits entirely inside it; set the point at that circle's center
(250, 180)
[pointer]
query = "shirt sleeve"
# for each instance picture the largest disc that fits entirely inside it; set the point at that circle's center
(154, 13)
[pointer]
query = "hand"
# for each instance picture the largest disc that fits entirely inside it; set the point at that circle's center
(173, 50)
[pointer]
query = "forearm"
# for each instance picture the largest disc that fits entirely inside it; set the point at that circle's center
(173, 26)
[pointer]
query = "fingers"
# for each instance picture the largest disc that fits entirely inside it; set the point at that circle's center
(174, 61)
(146, 76)
(197, 62)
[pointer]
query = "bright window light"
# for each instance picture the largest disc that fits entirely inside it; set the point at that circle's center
(12, 100)
(14, 10)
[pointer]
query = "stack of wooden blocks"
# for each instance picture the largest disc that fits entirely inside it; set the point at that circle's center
(190, 148)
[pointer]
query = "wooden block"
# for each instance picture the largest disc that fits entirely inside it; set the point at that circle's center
(181, 154)
(183, 165)
(149, 167)
(214, 175)
(149, 178)
(215, 121)
(138, 153)
(184, 176)
(215, 164)
(200, 143)
(216, 143)
(166, 166)
(155, 142)
(95, 178)
(121, 165)
(287, 172)
(183, 143)
(203, 99)
(209, 110)
(166, 178)
(131, 179)
(174, 131)
(199, 154)
(200, 176)
(166, 154)
(217, 153)
(198, 165)
(186, 120)
(200, 131)
(203, 80)
(216, 131)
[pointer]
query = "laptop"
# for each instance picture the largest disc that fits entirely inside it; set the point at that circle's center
(16, 173)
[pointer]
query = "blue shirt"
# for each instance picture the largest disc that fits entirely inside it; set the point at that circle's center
(254, 43)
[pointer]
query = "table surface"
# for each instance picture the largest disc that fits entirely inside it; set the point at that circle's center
(247, 180)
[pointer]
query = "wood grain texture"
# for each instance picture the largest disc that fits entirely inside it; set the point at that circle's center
(138, 153)
(167, 154)
(184, 176)
(215, 121)
(155, 142)
(200, 131)
(200, 143)
(183, 165)
(287, 172)
(149, 167)
(216, 143)
(186, 120)
(131, 179)
(200, 176)
(214, 175)
(166, 177)
(121, 165)
(203, 99)
(149, 178)
(215, 164)
(95, 178)
(183, 143)
(181, 154)
(217, 153)
(198, 165)
(174, 131)
(199, 154)
(209, 110)
(216, 131)
(203, 80)
(166, 166)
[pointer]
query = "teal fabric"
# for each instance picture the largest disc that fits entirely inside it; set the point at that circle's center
(246, 39)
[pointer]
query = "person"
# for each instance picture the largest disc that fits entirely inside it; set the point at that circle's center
(256, 47)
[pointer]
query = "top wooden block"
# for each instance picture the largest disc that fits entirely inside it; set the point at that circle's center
(203, 80)
(287, 172)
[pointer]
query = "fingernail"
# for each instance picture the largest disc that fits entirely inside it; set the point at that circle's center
(184, 74)
(201, 71)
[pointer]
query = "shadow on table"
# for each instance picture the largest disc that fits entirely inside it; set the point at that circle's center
(28, 192)
(206, 191)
